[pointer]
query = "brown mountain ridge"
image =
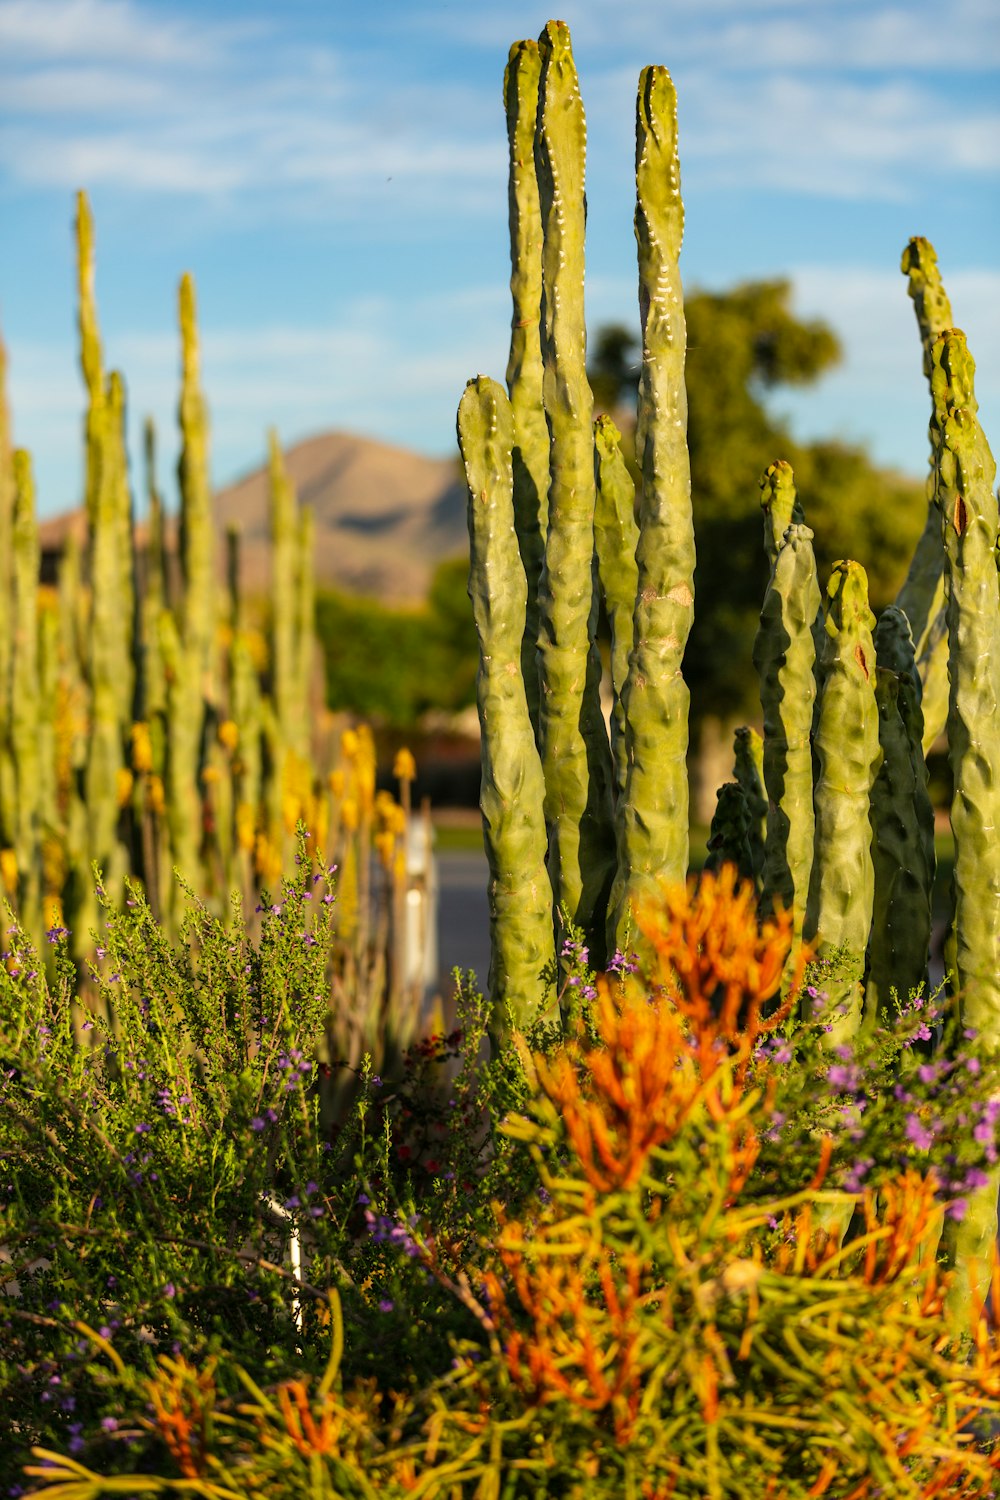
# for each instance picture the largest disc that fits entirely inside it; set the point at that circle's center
(384, 516)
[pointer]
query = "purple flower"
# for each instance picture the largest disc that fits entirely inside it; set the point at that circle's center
(918, 1133)
(386, 1305)
(257, 1123)
(957, 1210)
(169, 1290)
(142, 1128)
(110, 1424)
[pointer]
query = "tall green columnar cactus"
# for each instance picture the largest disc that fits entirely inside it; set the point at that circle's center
(968, 506)
(780, 507)
(524, 366)
(154, 592)
(91, 361)
(184, 725)
(284, 581)
(511, 797)
(24, 700)
(305, 627)
(124, 535)
(729, 838)
(748, 771)
(105, 667)
(922, 596)
(902, 820)
(784, 654)
(616, 536)
(841, 888)
(653, 818)
(8, 790)
(197, 533)
(576, 754)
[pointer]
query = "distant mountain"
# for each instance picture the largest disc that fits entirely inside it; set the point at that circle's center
(384, 516)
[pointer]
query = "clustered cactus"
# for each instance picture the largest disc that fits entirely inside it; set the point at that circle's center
(830, 815)
(151, 722)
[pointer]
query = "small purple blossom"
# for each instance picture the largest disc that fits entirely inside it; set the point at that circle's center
(918, 1133)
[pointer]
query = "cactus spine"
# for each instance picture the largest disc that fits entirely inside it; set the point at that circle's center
(653, 820)
(512, 786)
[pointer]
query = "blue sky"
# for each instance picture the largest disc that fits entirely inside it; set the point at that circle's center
(334, 175)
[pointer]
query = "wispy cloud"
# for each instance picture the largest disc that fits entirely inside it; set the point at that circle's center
(130, 95)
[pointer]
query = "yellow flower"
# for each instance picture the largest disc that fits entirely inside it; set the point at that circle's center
(124, 782)
(8, 871)
(157, 796)
(404, 767)
(229, 734)
(142, 749)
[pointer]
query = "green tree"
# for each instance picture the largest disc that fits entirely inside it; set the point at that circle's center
(741, 344)
(392, 665)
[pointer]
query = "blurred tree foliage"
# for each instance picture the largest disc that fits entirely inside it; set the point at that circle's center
(741, 344)
(393, 665)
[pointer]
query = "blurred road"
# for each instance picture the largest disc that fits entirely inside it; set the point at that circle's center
(463, 913)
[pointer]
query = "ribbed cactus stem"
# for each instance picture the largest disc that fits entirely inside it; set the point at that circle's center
(748, 772)
(511, 796)
(305, 628)
(154, 592)
(921, 597)
(183, 793)
(576, 754)
(116, 457)
(616, 536)
(107, 661)
(902, 821)
(965, 498)
(25, 697)
(90, 351)
(233, 583)
(841, 893)
(779, 503)
(284, 581)
(653, 817)
(524, 365)
(197, 534)
(965, 474)
(729, 839)
(784, 654)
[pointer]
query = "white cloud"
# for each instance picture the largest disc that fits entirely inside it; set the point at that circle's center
(100, 29)
(828, 137)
